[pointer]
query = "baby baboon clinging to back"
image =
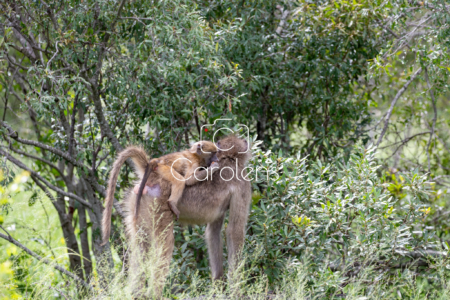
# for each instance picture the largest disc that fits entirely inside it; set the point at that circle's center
(177, 168)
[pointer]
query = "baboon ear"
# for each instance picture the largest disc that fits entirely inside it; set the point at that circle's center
(195, 148)
(199, 149)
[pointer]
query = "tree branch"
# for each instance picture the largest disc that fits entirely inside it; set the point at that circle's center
(404, 142)
(51, 186)
(58, 208)
(119, 12)
(90, 177)
(72, 125)
(433, 101)
(49, 163)
(106, 130)
(399, 94)
(64, 155)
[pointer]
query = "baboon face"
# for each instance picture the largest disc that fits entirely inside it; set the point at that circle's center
(206, 150)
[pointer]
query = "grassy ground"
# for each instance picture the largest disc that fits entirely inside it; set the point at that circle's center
(31, 219)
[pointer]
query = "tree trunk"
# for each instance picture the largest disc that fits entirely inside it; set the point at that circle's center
(102, 254)
(71, 240)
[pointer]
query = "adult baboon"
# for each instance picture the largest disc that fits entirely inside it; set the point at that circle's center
(178, 168)
(203, 203)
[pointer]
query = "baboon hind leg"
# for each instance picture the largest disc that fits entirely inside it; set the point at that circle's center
(215, 248)
(237, 220)
(152, 248)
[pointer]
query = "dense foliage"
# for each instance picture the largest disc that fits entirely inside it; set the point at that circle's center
(300, 68)
(81, 79)
(341, 217)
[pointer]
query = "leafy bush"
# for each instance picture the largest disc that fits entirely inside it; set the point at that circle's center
(340, 211)
(340, 219)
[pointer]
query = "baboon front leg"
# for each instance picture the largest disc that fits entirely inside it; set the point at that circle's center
(215, 248)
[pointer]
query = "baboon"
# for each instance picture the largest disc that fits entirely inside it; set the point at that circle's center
(203, 203)
(177, 168)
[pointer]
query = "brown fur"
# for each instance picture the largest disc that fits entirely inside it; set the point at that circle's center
(151, 237)
(179, 166)
(181, 169)
(203, 203)
(140, 160)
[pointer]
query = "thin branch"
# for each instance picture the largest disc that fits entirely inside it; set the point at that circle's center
(58, 208)
(50, 14)
(106, 130)
(10, 239)
(49, 163)
(96, 152)
(399, 94)
(72, 125)
(433, 101)
(102, 47)
(391, 32)
(15, 64)
(423, 20)
(402, 14)
(60, 292)
(36, 240)
(51, 186)
(64, 155)
(119, 12)
(404, 142)
(25, 41)
(137, 18)
(54, 55)
(90, 176)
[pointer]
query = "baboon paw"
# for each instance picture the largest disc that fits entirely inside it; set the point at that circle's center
(175, 210)
(153, 164)
(213, 167)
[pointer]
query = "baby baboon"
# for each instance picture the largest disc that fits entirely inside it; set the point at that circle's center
(179, 169)
(203, 203)
(170, 167)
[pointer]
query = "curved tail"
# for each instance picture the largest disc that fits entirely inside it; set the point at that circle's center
(140, 160)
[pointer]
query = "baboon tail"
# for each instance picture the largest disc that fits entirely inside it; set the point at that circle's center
(140, 160)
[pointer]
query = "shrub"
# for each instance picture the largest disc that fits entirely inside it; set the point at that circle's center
(334, 221)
